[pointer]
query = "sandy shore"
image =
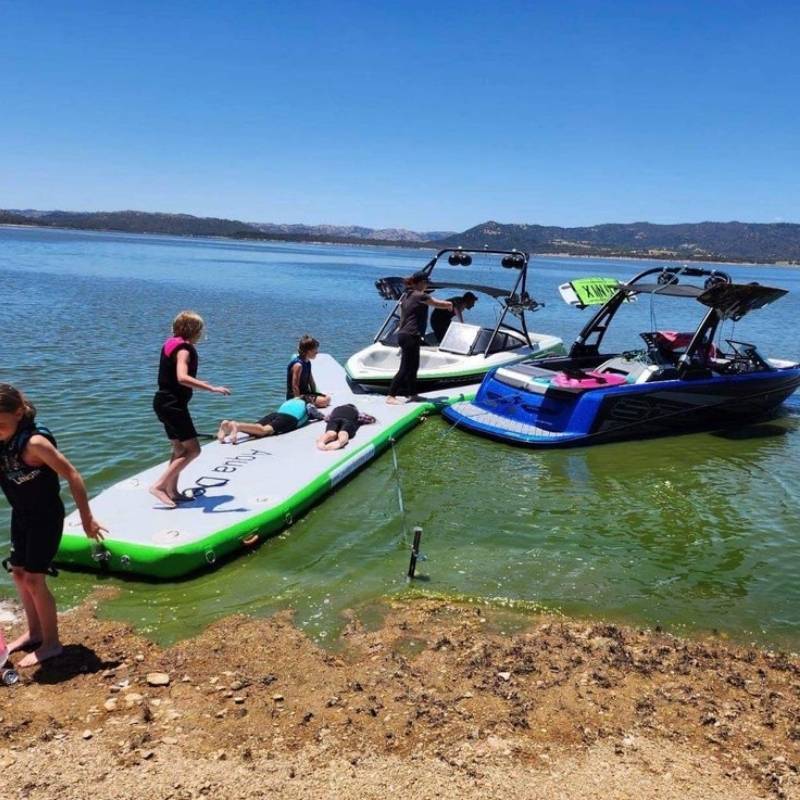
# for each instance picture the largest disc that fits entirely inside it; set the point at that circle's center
(437, 702)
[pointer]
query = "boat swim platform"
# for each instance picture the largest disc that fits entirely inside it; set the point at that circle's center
(250, 490)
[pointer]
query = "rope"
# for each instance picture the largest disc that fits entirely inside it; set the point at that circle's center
(400, 503)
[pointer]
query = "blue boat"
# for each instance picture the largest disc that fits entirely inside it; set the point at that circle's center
(674, 382)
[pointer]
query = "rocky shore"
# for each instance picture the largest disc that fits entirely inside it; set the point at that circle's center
(439, 701)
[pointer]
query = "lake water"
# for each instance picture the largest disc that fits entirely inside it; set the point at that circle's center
(694, 533)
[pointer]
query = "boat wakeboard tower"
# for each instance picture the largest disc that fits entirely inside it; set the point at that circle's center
(466, 352)
(678, 381)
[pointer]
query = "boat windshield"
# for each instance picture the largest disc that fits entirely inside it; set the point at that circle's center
(514, 301)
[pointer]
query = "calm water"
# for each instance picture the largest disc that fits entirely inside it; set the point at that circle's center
(694, 532)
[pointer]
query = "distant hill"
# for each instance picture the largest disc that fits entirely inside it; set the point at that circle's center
(136, 222)
(188, 225)
(724, 241)
(712, 241)
(352, 232)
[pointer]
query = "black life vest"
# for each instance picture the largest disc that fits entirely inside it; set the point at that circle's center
(28, 489)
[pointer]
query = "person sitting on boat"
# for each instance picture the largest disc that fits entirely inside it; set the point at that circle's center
(299, 380)
(442, 317)
(342, 424)
(291, 415)
(413, 319)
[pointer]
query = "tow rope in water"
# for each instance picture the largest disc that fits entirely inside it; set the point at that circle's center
(400, 502)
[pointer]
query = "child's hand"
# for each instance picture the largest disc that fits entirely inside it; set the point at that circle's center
(93, 529)
(220, 390)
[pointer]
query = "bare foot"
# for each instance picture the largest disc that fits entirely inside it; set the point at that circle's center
(24, 642)
(396, 401)
(41, 655)
(233, 432)
(223, 431)
(162, 496)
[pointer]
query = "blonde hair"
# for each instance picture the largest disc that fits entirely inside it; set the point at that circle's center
(12, 400)
(188, 325)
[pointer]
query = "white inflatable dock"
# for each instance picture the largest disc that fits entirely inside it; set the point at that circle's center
(251, 489)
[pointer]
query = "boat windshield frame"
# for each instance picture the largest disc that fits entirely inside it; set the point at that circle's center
(587, 343)
(516, 301)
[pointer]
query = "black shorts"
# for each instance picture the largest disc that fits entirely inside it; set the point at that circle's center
(343, 418)
(174, 416)
(280, 423)
(35, 538)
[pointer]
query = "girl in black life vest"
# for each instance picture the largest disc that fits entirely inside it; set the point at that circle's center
(30, 468)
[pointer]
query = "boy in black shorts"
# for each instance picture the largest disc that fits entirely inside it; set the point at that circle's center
(343, 422)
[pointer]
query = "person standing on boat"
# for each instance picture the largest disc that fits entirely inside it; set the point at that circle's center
(413, 319)
(441, 317)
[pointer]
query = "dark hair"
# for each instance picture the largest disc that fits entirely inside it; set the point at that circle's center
(12, 400)
(416, 278)
(469, 297)
(307, 344)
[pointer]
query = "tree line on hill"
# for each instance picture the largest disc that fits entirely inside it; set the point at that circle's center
(707, 241)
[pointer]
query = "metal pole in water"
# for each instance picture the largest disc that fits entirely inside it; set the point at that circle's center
(415, 554)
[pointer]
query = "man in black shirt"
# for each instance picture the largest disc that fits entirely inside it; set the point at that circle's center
(442, 317)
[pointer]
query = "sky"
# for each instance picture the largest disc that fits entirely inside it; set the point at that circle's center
(434, 115)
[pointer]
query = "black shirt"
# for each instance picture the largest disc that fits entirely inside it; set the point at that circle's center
(413, 313)
(442, 317)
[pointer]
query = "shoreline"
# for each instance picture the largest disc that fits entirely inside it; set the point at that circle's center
(437, 698)
(413, 246)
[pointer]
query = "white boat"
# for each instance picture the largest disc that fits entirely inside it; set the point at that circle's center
(466, 352)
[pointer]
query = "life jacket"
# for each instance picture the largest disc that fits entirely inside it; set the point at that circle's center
(307, 385)
(168, 367)
(296, 407)
(28, 489)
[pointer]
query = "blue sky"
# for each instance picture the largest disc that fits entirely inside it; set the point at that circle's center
(428, 115)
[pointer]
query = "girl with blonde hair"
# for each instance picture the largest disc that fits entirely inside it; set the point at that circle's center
(177, 378)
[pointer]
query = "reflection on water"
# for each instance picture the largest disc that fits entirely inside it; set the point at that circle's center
(697, 531)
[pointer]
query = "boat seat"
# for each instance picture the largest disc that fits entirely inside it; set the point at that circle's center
(634, 371)
(526, 376)
(592, 379)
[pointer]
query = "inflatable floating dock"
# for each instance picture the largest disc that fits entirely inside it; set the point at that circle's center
(252, 489)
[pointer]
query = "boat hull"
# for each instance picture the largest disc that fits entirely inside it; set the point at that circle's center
(556, 419)
(374, 367)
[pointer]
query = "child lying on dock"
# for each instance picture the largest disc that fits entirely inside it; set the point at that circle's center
(343, 422)
(291, 415)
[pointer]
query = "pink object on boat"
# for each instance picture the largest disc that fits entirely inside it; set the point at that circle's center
(592, 380)
(172, 343)
(673, 340)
